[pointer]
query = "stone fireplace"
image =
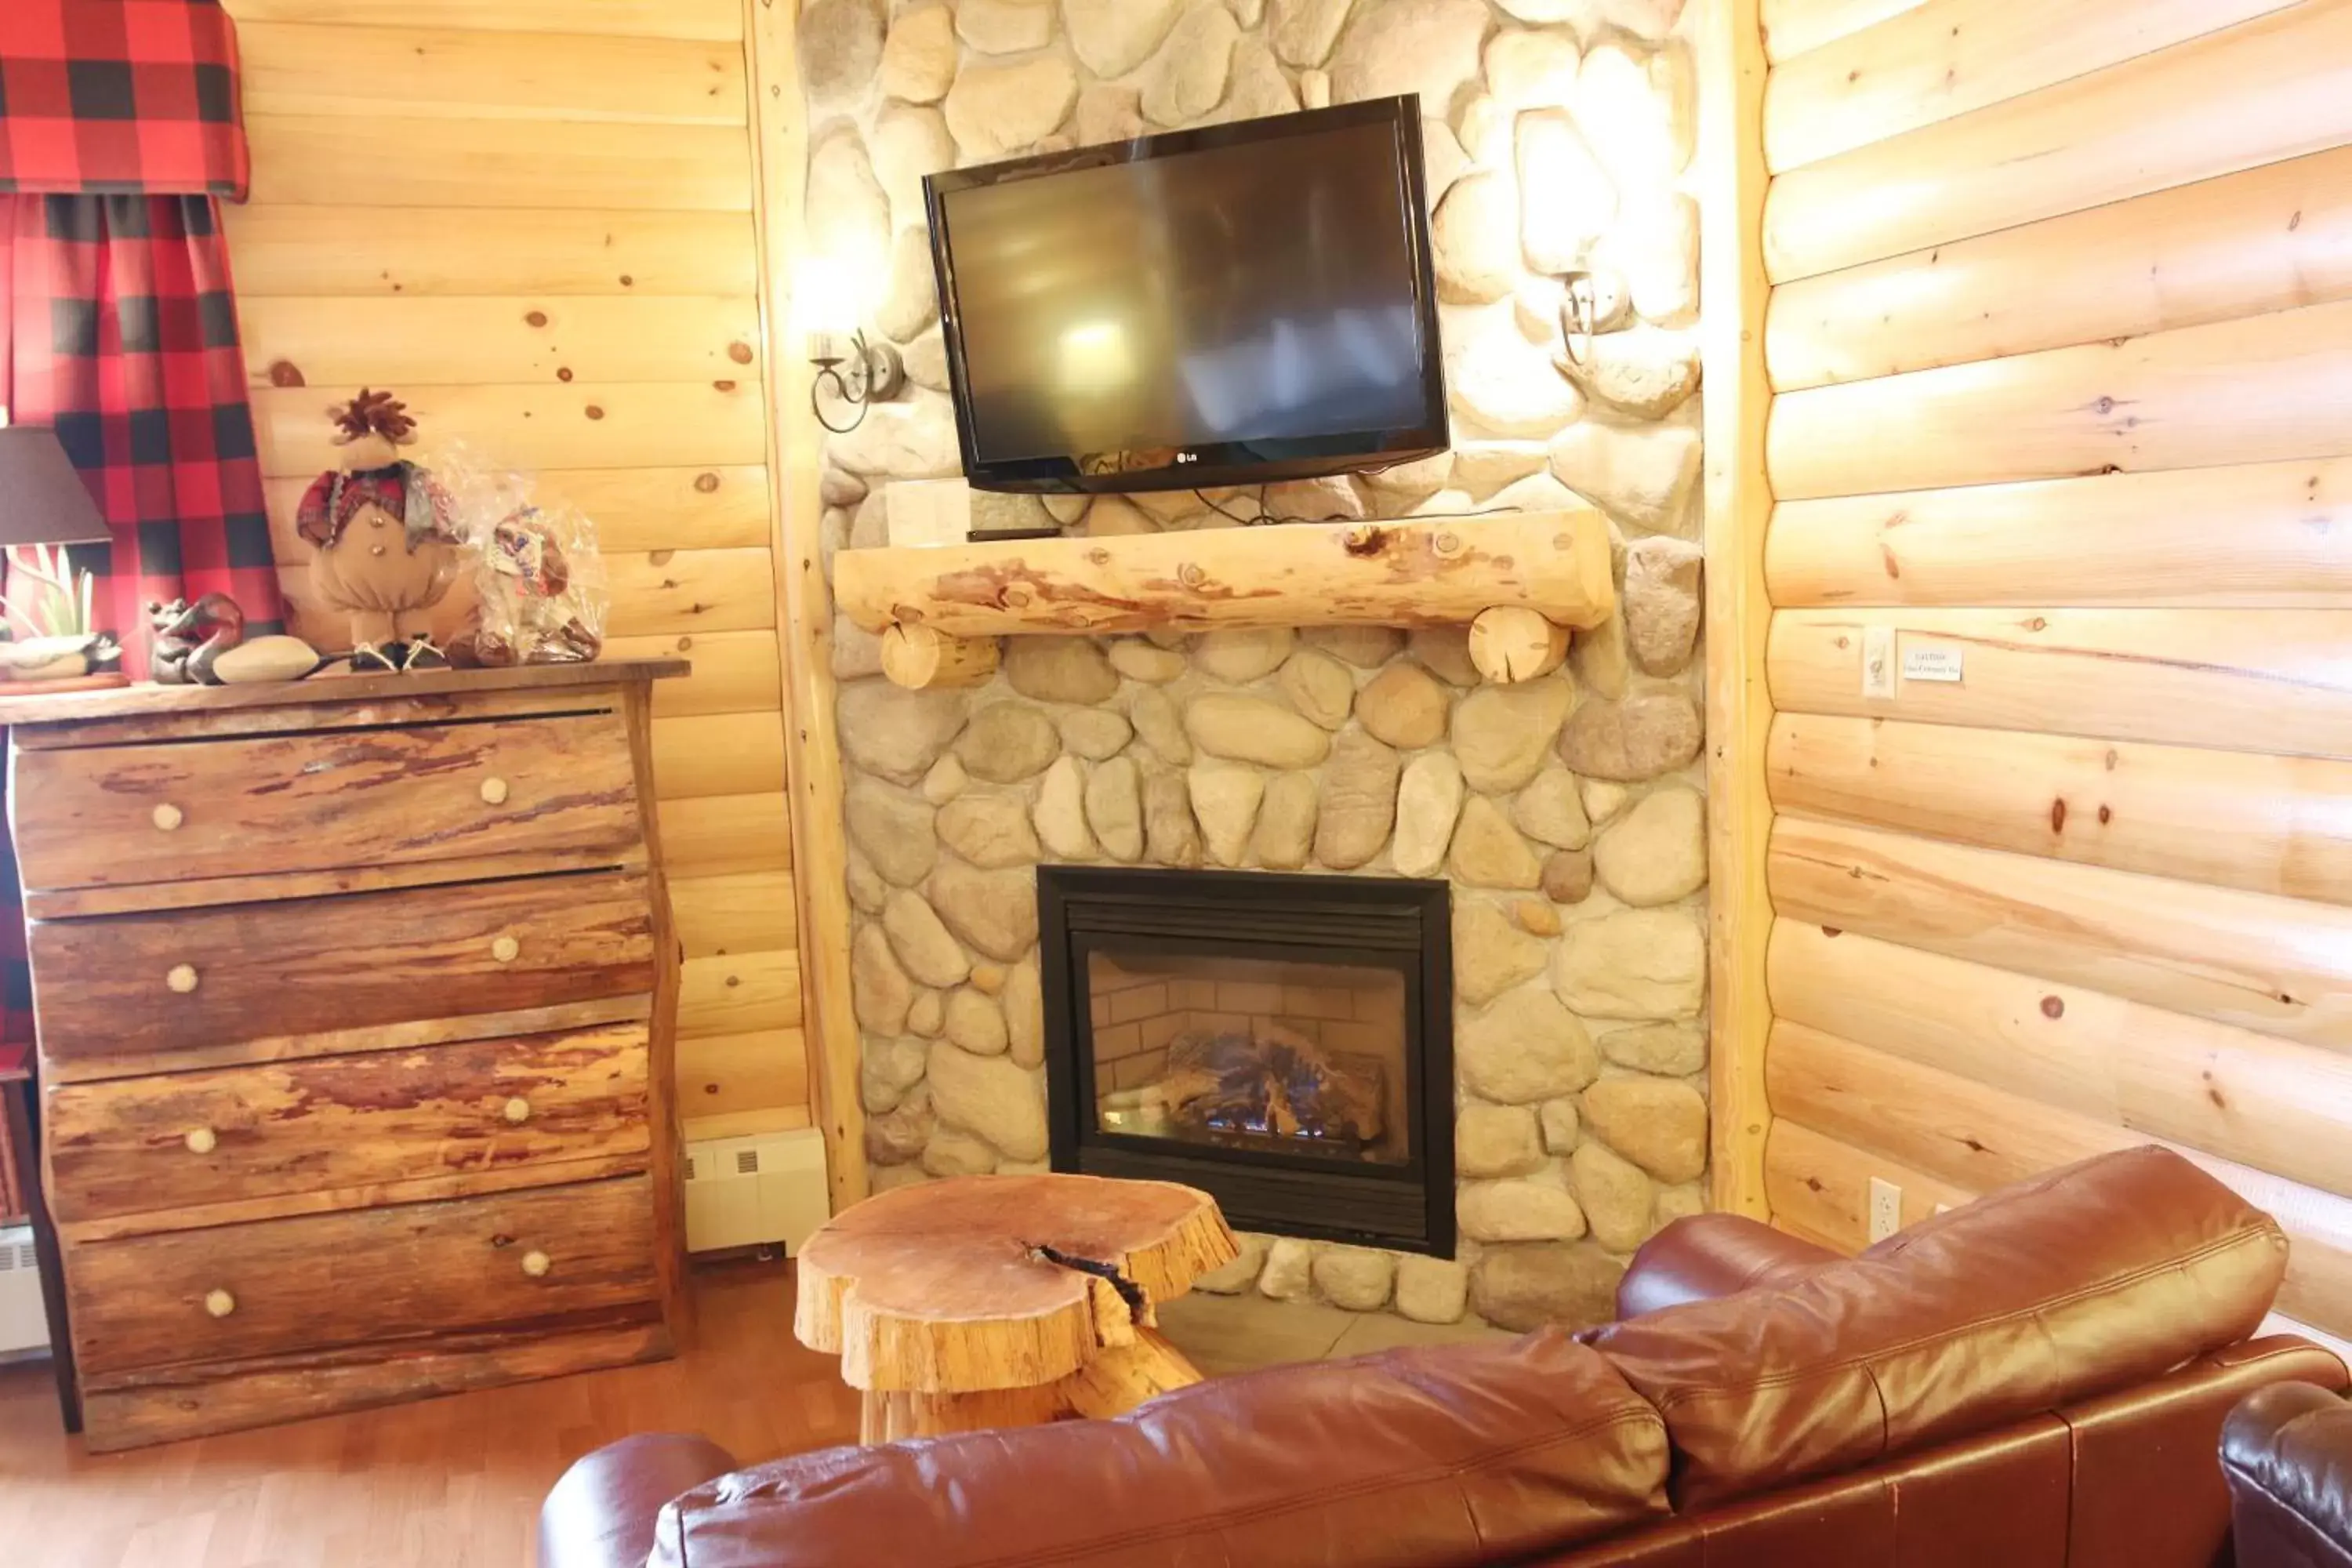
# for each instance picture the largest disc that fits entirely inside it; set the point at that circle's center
(1285, 1043)
(1564, 815)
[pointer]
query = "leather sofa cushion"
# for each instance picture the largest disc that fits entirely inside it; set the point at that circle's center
(1704, 1256)
(1419, 1458)
(2093, 1277)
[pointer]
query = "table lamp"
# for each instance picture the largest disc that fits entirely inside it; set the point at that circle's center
(42, 501)
(42, 498)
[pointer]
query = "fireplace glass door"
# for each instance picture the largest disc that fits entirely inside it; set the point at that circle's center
(1274, 1056)
(1283, 1042)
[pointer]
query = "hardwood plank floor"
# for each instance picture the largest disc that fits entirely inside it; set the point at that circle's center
(446, 1483)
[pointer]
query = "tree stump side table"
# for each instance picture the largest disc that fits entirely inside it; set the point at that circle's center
(1006, 1300)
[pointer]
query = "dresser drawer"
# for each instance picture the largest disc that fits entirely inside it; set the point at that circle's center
(139, 1144)
(136, 985)
(283, 1286)
(106, 817)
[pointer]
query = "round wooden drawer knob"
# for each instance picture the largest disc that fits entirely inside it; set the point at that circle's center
(167, 816)
(494, 791)
(518, 1111)
(219, 1303)
(203, 1140)
(506, 949)
(180, 978)
(536, 1265)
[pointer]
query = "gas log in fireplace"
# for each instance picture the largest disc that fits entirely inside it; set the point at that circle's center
(1284, 1043)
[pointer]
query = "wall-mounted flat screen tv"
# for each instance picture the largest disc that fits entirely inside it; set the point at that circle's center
(1235, 305)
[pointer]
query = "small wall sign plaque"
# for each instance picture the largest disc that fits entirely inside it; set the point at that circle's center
(1931, 664)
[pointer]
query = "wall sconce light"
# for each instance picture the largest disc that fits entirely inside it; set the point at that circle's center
(860, 370)
(831, 296)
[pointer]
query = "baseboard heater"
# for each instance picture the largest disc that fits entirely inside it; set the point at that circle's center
(764, 1190)
(24, 1326)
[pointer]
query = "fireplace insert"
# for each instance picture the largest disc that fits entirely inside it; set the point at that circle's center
(1285, 1043)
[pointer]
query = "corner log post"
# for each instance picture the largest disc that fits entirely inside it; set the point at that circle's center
(1417, 572)
(1511, 643)
(918, 656)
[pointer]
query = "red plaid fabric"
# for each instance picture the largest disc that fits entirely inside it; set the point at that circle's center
(128, 96)
(125, 342)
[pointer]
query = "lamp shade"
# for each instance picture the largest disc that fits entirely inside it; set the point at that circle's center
(42, 499)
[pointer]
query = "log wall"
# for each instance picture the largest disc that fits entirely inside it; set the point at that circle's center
(534, 219)
(2061, 348)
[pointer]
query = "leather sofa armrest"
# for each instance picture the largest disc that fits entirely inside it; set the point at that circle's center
(1704, 1256)
(2286, 1451)
(602, 1513)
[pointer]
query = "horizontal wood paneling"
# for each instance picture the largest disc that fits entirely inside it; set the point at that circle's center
(344, 251)
(2273, 680)
(719, 753)
(2271, 1103)
(713, 507)
(734, 672)
(664, 592)
(1976, 1137)
(2265, 239)
(2282, 966)
(1819, 1188)
(1949, 57)
(717, 507)
(707, 19)
(1793, 26)
(2265, 389)
(2275, 534)
(717, 835)
(333, 342)
(2276, 88)
(748, 1123)
(690, 590)
(2231, 819)
(738, 994)
(327, 69)
(750, 911)
(532, 219)
(392, 160)
(641, 426)
(734, 1075)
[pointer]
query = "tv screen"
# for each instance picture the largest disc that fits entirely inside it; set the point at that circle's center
(1229, 306)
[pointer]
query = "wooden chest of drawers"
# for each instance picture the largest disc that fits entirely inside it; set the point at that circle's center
(354, 1002)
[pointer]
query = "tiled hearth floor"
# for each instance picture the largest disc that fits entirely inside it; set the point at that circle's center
(456, 1483)
(1236, 1334)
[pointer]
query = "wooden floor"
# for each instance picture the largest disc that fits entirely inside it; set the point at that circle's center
(447, 1483)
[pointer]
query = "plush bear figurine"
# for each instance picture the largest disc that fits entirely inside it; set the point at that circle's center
(387, 549)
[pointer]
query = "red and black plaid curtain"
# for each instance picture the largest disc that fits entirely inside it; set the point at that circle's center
(119, 135)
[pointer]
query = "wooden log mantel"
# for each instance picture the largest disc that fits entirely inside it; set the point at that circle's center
(1408, 572)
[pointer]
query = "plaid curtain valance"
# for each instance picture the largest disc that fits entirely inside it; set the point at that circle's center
(120, 97)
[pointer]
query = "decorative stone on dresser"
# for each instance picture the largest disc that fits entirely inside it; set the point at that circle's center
(354, 1001)
(1562, 809)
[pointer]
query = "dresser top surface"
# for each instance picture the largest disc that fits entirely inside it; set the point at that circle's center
(130, 701)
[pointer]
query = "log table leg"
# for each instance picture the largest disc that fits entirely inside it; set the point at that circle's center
(1113, 1384)
(1123, 1378)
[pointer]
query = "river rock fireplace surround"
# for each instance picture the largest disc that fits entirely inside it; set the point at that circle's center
(1285, 1043)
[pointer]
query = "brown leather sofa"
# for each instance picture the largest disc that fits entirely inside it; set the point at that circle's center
(2037, 1378)
(2287, 1452)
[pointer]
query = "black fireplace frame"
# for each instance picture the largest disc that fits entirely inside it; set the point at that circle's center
(1390, 923)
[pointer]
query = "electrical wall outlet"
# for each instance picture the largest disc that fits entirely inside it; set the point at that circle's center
(1886, 1208)
(1878, 662)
